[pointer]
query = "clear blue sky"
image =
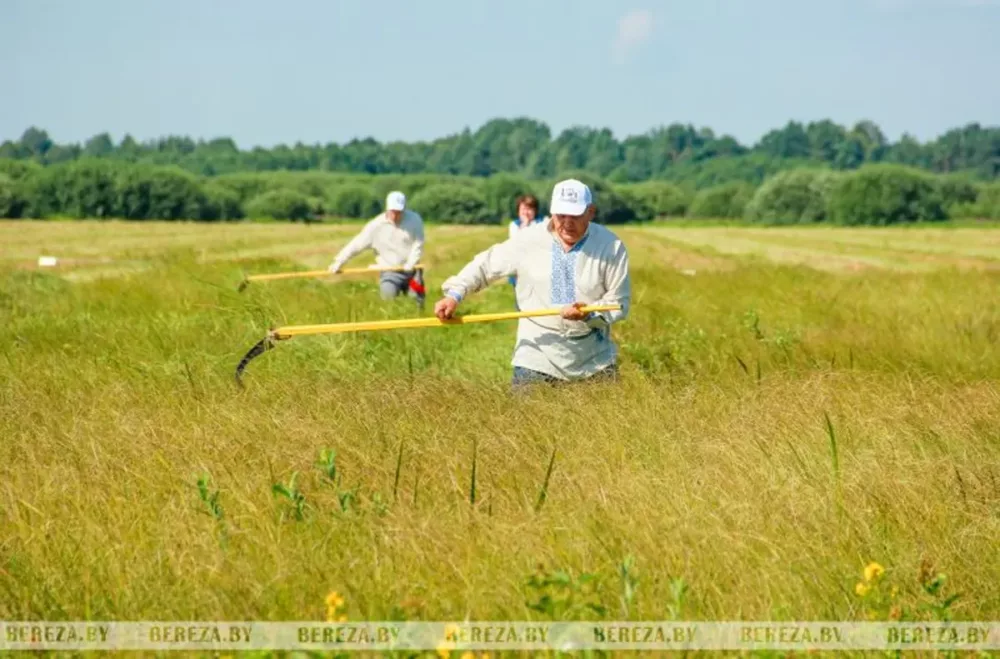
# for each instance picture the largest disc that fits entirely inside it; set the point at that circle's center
(270, 71)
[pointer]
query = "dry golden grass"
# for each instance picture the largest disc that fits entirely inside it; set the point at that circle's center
(711, 463)
(839, 249)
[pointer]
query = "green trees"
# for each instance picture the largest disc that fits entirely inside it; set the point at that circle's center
(245, 186)
(12, 203)
(95, 188)
(81, 189)
(990, 202)
(99, 146)
(885, 194)
(280, 205)
(724, 201)
(16, 170)
(656, 199)
(35, 143)
(355, 200)
(452, 203)
(795, 196)
(501, 192)
(681, 153)
(957, 189)
(985, 206)
(167, 193)
(221, 203)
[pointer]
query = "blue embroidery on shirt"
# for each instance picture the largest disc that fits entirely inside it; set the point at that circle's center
(564, 272)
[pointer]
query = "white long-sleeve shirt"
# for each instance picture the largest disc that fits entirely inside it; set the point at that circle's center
(516, 226)
(394, 246)
(595, 271)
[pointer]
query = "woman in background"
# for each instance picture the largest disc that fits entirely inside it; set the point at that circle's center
(527, 216)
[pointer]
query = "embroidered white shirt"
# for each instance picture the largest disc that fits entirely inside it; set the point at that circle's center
(594, 271)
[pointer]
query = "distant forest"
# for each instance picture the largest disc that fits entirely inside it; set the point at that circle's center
(696, 157)
(802, 173)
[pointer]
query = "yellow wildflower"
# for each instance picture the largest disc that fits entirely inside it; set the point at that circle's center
(334, 603)
(861, 589)
(468, 655)
(334, 600)
(873, 571)
(444, 649)
(894, 592)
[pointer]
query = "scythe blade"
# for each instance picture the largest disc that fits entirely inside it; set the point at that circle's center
(258, 349)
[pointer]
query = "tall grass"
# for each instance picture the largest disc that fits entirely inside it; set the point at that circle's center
(136, 481)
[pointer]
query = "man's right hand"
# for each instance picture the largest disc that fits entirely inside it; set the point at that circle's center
(334, 267)
(445, 308)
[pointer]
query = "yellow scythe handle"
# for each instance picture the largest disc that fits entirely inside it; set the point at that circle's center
(268, 342)
(324, 273)
(408, 323)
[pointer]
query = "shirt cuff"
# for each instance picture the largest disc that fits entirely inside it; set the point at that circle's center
(596, 320)
(455, 295)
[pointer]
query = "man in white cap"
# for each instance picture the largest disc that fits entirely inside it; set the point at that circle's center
(568, 262)
(397, 237)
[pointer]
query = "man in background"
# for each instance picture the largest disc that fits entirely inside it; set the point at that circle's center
(397, 238)
(567, 262)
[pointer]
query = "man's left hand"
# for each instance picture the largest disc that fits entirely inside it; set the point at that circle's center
(445, 308)
(573, 311)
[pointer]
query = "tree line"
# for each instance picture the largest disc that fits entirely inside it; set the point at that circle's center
(678, 153)
(875, 194)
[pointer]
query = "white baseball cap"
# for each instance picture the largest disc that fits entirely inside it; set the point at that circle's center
(396, 201)
(570, 197)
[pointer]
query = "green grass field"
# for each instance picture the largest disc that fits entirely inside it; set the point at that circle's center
(795, 404)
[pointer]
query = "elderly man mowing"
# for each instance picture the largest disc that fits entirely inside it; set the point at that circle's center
(397, 237)
(567, 261)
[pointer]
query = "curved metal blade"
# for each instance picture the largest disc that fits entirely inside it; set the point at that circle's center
(259, 348)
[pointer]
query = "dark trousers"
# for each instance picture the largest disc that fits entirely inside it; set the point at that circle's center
(392, 284)
(523, 377)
